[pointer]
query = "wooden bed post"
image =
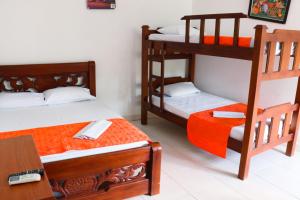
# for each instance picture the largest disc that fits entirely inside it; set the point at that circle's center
(253, 99)
(191, 68)
(291, 147)
(92, 77)
(144, 96)
(155, 169)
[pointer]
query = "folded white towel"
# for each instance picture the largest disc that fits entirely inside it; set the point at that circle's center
(94, 130)
(225, 114)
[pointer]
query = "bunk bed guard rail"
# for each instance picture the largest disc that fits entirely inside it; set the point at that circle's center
(217, 17)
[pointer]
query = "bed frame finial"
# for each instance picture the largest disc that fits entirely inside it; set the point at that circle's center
(261, 27)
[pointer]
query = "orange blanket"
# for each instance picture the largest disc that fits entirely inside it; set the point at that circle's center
(228, 41)
(210, 133)
(58, 139)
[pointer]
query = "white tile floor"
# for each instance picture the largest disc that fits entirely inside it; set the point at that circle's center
(189, 173)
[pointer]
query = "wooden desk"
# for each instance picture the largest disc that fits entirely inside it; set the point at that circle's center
(17, 155)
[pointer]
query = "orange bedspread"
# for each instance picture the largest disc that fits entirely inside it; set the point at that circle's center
(58, 139)
(228, 41)
(210, 133)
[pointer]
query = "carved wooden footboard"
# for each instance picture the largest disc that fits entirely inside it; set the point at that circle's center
(117, 175)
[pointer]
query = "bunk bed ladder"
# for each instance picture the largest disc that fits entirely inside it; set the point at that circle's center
(152, 90)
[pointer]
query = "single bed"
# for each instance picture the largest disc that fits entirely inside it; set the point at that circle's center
(110, 172)
(185, 106)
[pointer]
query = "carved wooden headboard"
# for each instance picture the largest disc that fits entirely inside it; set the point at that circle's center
(41, 77)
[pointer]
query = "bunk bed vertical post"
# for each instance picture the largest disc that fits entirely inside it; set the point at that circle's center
(202, 31)
(236, 33)
(217, 31)
(253, 98)
(191, 67)
(145, 76)
(187, 30)
(291, 147)
(162, 84)
(151, 83)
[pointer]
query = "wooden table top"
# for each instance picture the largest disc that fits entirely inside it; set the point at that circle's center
(17, 155)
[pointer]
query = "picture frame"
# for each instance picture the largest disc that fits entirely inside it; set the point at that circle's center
(101, 4)
(269, 10)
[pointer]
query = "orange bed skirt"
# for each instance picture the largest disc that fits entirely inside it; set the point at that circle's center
(59, 139)
(211, 134)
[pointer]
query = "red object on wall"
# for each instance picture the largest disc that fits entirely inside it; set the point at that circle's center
(101, 4)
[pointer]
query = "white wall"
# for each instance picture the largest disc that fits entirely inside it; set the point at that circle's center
(229, 77)
(43, 31)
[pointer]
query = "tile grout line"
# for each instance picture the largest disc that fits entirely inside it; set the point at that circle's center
(223, 181)
(281, 189)
(231, 188)
(187, 191)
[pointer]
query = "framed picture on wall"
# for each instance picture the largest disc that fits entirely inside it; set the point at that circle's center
(101, 4)
(270, 10)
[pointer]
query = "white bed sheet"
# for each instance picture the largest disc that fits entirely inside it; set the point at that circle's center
(184, 106)
(44, 116)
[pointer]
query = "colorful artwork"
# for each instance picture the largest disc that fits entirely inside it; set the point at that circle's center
(101, 4)
(269, 10)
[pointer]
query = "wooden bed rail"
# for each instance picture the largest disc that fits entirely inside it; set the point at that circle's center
(289, 44)
(276, 121)
(214, 16)
(218, 18)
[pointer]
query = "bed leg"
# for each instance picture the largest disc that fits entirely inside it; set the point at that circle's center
(144, 116)
(291, 147)
(244, 167)
(295, 125)
(155, 169)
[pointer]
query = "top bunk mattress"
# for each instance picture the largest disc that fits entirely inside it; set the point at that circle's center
(55, 115)
(247, 42)
(224, 40)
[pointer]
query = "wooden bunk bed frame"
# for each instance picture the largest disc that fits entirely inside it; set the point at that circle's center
(159, 51)
(104, 176)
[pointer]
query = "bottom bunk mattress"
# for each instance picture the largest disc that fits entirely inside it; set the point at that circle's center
(70, 116)
(185, 106)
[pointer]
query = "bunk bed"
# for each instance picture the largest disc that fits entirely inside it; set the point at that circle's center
(263, 53)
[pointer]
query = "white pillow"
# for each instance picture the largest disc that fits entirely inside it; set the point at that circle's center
(178, 30)
(63, 95)
(180, 89)
(21, 99)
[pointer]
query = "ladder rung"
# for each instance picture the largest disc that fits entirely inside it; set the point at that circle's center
(161, 58)
(155, 76)
(154, 93)
(156, 58)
